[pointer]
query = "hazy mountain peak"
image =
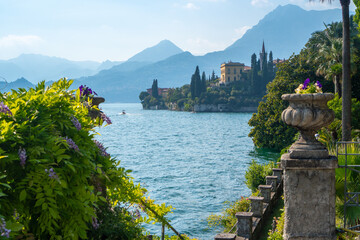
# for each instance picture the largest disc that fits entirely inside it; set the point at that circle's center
(160, 51)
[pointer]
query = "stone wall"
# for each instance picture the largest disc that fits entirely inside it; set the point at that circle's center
(249, 224)
(221, 108)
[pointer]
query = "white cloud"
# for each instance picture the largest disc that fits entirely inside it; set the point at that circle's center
(191, 6)
(241, 31)
(19, 41)
(260, 3)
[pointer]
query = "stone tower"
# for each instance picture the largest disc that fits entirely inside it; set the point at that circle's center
(263, 57)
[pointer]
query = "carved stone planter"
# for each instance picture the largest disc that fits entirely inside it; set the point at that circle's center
(93, 113)
(97, 100)
(308, 113)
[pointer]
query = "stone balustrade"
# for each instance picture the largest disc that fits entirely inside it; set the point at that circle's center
(249, 224)
(272, 181)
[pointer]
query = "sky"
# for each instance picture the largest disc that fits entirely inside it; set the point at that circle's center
(115, 30)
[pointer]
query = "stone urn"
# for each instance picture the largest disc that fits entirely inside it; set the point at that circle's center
(308, 113)
(94, 113)
(97, 100)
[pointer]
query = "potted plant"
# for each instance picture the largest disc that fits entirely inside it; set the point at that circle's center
(308, 112)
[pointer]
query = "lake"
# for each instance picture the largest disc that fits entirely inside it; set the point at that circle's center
(192, 161)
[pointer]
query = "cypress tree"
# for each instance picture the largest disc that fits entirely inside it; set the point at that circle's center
(154, 89)
(254, 72)
(197, 82)
(213, 76)
(203, 82)
(265, 77)
(271, 67)
(192, 86)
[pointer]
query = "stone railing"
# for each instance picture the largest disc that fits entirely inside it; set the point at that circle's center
(249, 224)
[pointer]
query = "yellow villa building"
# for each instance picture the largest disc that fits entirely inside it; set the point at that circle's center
(232, 71)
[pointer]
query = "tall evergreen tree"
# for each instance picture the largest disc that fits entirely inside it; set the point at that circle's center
(154, 89)
(265, 77)
(271, 67)
(192, 86)
(254, 72)
(197, 82)
(203, 82)
(213, 76)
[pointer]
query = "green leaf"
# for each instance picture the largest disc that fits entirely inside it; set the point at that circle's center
(53, 213)
(39, 202)
(102, 198)
(44, 206)
(22, 195)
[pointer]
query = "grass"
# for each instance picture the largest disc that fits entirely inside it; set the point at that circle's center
(276, 212)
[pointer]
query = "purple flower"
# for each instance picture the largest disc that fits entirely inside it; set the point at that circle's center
(71, 143)
(101, 148)
(306, 83)
(137, 214)
(16, 215)
(4, 232)
(5, 109)
(105, 118)
(52, 173)
(95, 223)
(76, 123)
(318, 84)
(22, 156)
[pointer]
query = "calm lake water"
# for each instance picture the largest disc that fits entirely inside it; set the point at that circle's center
(192, 161)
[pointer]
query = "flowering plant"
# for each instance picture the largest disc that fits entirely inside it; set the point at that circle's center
(86, 91)
(308, 87)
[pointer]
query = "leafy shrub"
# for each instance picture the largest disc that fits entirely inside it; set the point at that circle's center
(60, 182)
(277, 232)
(227, 218)
(256, 174)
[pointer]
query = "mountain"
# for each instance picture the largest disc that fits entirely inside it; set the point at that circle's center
(36, 67)
(107, 65)
(19, 83)
(285, 31)
(161, 51)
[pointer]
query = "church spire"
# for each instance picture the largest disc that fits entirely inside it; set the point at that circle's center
(263, 47)
(263, 57)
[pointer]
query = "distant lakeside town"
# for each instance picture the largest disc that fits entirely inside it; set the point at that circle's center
(240, 88)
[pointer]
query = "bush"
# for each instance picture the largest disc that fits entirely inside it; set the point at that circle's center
(227, 218)
(256, 174)
(58, 182)
(277, 233)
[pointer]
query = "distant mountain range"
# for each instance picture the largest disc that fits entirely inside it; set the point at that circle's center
(285, 31)
(36, 67)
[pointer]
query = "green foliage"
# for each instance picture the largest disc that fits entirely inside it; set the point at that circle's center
(353, 179)
(268, 129)
(154, 89)
(143, 95)
(227, 218)
(277, 233)
(57, 177)
(336, 105)
(256, 174)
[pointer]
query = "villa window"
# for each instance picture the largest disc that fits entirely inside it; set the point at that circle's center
(234, 78)
(234, 70)
(228, 70)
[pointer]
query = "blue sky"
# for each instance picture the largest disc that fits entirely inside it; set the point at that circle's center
(117, 29)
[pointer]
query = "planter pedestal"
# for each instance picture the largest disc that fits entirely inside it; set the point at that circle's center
(309, 198)
(309, 171)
